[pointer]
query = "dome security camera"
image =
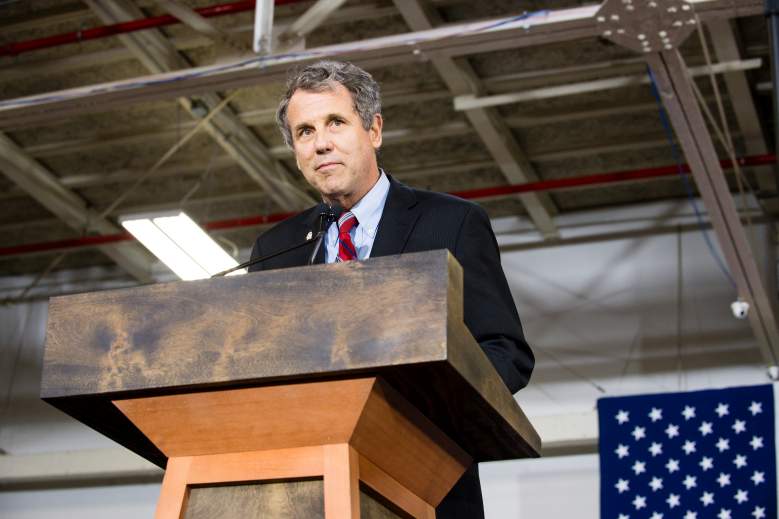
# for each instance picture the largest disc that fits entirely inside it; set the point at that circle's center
(740, 309)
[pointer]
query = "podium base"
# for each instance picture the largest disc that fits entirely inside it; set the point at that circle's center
(318, 441)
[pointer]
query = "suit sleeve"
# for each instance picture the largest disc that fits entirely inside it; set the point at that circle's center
(490, 312)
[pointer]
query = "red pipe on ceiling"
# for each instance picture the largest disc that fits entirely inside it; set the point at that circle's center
(16, 48)
(543, 185)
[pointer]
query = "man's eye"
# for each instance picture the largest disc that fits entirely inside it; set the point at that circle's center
(337, 122)
(305, 131)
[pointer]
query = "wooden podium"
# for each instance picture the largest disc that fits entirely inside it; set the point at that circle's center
(339, 391)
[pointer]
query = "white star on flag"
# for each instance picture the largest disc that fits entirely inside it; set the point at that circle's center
(690, 482)
(622, 450)
(707, 454)
(656, 484)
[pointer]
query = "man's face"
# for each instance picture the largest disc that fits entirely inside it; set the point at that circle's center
(332, 149)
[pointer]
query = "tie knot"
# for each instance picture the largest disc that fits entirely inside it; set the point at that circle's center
(347, 222)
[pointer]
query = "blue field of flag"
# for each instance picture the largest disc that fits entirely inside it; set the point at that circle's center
(692, 455)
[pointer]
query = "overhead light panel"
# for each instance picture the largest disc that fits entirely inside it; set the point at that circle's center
(181, 244)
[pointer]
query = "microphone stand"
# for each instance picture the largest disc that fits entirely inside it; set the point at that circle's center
(327, 216)
(249, 263)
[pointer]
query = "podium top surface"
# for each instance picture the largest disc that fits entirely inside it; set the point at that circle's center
(399, 317)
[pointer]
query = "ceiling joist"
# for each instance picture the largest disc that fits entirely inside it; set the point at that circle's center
(159, 56)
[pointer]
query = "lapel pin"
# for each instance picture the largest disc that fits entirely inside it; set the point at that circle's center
(309, 235)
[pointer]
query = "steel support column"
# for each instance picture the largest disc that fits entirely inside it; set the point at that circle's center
(674, 84)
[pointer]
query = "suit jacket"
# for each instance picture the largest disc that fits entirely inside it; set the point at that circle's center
(415, 221)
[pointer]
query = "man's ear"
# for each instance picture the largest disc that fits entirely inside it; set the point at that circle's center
(375, 131)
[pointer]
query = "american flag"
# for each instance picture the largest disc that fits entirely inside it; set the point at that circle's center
(692, 455)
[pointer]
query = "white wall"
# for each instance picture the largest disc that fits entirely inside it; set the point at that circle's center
(627, 316)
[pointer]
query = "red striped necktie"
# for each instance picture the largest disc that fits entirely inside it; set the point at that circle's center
(346, 248)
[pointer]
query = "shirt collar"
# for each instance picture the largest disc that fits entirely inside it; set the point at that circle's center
(368, 210)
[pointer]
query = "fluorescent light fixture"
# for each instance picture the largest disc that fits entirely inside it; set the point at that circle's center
(180, 243)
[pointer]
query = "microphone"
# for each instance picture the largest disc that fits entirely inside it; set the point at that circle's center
(328, 214)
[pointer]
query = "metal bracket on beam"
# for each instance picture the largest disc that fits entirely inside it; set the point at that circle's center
(646, 25)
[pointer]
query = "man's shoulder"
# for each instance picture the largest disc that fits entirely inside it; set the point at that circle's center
(434, 200)
(288, 228)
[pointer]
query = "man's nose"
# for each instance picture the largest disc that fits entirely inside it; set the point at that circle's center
(323, 142)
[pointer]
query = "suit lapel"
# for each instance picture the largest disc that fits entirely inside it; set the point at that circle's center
(310, 226)
(401, 212)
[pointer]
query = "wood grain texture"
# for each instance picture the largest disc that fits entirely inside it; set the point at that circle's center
(489, 395)
(173, 492)
(279, 500)
(302, 462)
(342, 482)
(184, 473)
(306, 429)
(397, 437)
(251, 419)
(247, 328)
(372, 506)
(405, 324)
(386, 486)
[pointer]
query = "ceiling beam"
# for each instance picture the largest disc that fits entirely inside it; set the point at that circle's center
(452, 41)
(460, 78)
(194, 20)
(455, 40)
(725, 42)
(29, 65)
(469, 102)
(307, 22)
(45, 188)
(158, 55)
(676, 91)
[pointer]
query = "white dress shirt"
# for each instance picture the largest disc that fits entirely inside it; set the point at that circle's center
(368, 212)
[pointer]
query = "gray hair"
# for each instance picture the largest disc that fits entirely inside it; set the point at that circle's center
(324, 75)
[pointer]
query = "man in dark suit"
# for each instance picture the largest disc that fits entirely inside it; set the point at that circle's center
(331, 118)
